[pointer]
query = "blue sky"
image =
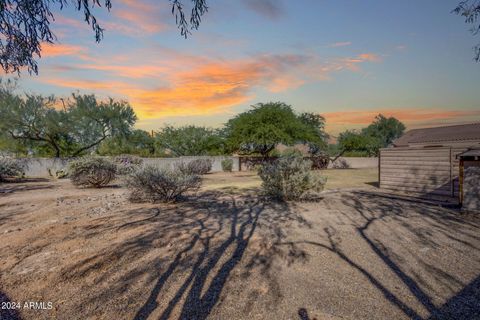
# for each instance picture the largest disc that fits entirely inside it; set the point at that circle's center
(347, 60)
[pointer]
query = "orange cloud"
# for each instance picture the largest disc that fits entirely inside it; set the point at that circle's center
(369, 57)
(56, 49)
(136, 18)
(195, 85)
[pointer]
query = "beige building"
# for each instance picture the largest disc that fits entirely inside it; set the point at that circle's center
(424, 162)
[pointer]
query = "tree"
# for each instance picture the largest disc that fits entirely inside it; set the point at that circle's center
(317, 139)
(356, 141)
(138, 142)
(71, 131)
(25, 25)
(470, 10)
(379, 134)
(386, 130)
(189, 141)
(262, 128)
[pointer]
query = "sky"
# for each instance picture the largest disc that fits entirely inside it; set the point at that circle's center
(348, 60)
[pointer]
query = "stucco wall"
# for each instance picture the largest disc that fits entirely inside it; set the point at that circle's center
(471, 186)
(38, 167)
(354, 163)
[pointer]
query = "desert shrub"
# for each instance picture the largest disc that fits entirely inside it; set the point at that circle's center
(195, 167)
(290, 178)
(227, 165)
(340, 163)
(11, 168)
(154, 184)
(58, 174)
(127, 164)
(94, 172)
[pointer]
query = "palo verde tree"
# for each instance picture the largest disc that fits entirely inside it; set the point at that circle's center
(81, 125)
(260, 129)
(137, 142)
(316, 137)
(470, 10)
(26, 24)
(189, 141)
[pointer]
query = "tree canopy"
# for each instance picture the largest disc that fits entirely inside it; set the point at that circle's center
(470, 10)
(379, 134)
(386, 130)
(25, 25)
(260, 129)
(82, 124)
(137, 142)
(189, 141)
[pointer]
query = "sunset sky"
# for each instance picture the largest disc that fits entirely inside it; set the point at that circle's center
(347, 60)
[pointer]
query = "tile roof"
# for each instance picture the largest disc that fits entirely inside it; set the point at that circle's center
(439, 134)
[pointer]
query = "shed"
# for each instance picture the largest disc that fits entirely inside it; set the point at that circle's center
(423, 162)
(470, 179)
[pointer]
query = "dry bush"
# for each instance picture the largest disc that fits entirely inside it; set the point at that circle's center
(154, 184)
(127, 164)
(93, 172)
(340, 163)
(227, 165)
(290, 178)
(11, 168)
(197, 166)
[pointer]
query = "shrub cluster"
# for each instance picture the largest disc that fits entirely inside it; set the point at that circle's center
(340, 163)
(93, 172)
(154, 184)
(195, 167)
(127, 164)
(290, 178)
(10, 168)
(227, 165)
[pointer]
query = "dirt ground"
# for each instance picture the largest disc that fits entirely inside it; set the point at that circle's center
(353, 254)
(336, 179)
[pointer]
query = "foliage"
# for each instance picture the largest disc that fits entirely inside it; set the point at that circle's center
(127, 164)
(93, 172)
(470, 10)
(195, 167)
(260, 129)
(290, 178)
(138, 142)
(189, 141)
(386, 130)
(317, 137)
(379, 134)
(356, 141)
(25, 26)
(161, 185)
(10, 168)
(81, 125)
(227, 165)
(340, 163)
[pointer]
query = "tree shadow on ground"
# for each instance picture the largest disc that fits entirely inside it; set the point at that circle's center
(303, 314)
(426, 225)
(208, 237)
(365, 209)
(7, 313)
(25, 184)
(373, 184)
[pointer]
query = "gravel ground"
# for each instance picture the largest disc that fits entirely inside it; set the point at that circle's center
(351, 255)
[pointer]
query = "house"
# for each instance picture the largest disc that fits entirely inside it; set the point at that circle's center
(423, 162)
